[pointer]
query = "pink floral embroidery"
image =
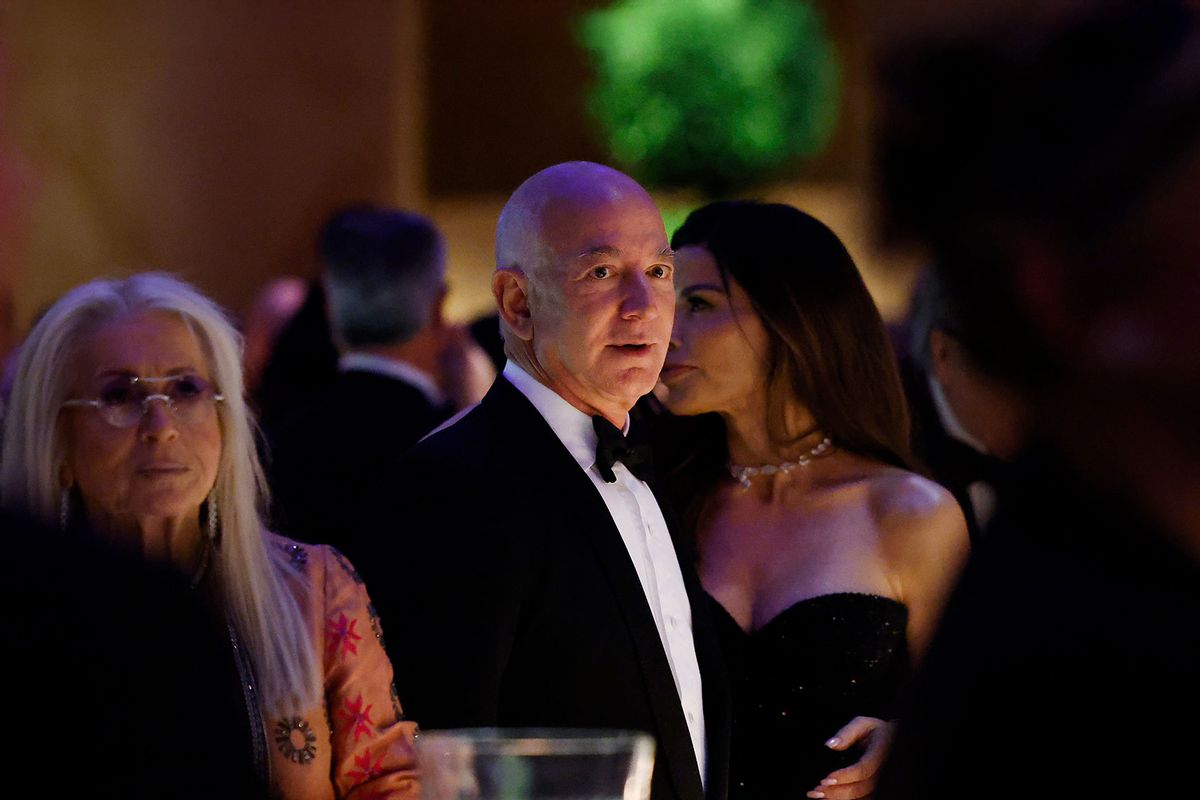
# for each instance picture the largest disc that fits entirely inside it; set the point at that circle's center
(365, 768)
(359, 717)
(340, 637)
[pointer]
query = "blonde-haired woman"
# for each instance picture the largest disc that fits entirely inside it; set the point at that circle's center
(127, 416)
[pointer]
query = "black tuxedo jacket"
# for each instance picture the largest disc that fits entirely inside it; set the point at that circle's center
(323, 457)
(516, 603)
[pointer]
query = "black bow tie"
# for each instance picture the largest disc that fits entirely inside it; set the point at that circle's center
(612, 446)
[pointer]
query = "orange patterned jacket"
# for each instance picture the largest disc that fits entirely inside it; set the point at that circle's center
(358, 745)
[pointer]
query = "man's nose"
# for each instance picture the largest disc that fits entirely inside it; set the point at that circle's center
(637, 296)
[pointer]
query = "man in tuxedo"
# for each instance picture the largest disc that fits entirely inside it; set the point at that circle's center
(383, 273)
(967, 423)
(532, 572)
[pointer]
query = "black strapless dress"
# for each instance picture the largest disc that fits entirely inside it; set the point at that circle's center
(800, 678)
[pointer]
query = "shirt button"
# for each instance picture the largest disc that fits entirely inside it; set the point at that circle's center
(673, 621)
(691, 717)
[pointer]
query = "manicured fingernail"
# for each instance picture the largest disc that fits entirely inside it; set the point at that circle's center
(834, 742)
(829, 782)
(817, 795)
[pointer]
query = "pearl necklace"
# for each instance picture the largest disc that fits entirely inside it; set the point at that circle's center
(743, 474)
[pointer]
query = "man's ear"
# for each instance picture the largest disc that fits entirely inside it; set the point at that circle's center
(437, 315)
(939, 354)
(510, 287)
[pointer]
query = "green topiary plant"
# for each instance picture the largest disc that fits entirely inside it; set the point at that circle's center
(714, 94)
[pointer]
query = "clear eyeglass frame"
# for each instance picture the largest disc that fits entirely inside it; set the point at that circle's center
(129, 412)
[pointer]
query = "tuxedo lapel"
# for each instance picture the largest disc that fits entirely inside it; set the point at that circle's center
(674, 737)
(717, 702)
(566, 493)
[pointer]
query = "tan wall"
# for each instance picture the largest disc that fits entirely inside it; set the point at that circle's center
(209, 138)
(507, 85)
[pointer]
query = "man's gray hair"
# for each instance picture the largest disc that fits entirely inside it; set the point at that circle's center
(383, 271)
(933, 308)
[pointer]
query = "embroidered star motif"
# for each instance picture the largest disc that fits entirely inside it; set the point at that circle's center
(359, 717)
(365, 769)
(340, 637)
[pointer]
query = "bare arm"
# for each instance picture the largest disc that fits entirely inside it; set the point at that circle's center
(925, 538)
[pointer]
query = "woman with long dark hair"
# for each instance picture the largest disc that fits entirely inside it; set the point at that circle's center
(827, 556)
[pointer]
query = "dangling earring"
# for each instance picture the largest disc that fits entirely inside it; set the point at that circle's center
(210, 543)
(64, 507)
(212, 518)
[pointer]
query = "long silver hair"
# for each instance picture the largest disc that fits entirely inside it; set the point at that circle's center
(255, 579)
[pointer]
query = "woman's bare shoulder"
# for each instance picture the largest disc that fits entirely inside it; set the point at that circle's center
(907, 504)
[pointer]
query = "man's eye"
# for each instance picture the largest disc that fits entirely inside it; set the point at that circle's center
(601, 272)
(660, 271)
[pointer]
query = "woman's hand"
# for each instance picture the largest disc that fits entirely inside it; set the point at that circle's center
(858, 779)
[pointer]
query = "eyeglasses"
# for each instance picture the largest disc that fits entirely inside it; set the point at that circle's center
(125, 400)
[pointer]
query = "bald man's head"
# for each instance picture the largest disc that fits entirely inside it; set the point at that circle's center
(554, 192)
(584, 285)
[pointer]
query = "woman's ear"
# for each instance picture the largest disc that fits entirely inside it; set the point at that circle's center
(510, 287)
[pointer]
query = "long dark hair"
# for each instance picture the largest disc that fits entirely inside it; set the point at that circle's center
(828, 345)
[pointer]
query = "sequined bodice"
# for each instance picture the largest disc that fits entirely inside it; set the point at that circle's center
(800, 678)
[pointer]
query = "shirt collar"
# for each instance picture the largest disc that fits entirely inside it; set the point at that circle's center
(399, 370)
(950, 423)
(572, 427)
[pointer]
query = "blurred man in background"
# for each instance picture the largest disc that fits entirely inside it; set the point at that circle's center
(401, 369)
(1054, 174)
(967, 423)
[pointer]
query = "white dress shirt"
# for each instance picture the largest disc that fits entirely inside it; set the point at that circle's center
(644, 531)
(982, 495)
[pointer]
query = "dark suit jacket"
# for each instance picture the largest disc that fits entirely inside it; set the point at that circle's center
(1066, 653)
(517, 603)
(303, 362)
(321, 458)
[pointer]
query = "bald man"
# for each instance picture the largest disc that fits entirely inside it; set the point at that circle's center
(534, 579)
